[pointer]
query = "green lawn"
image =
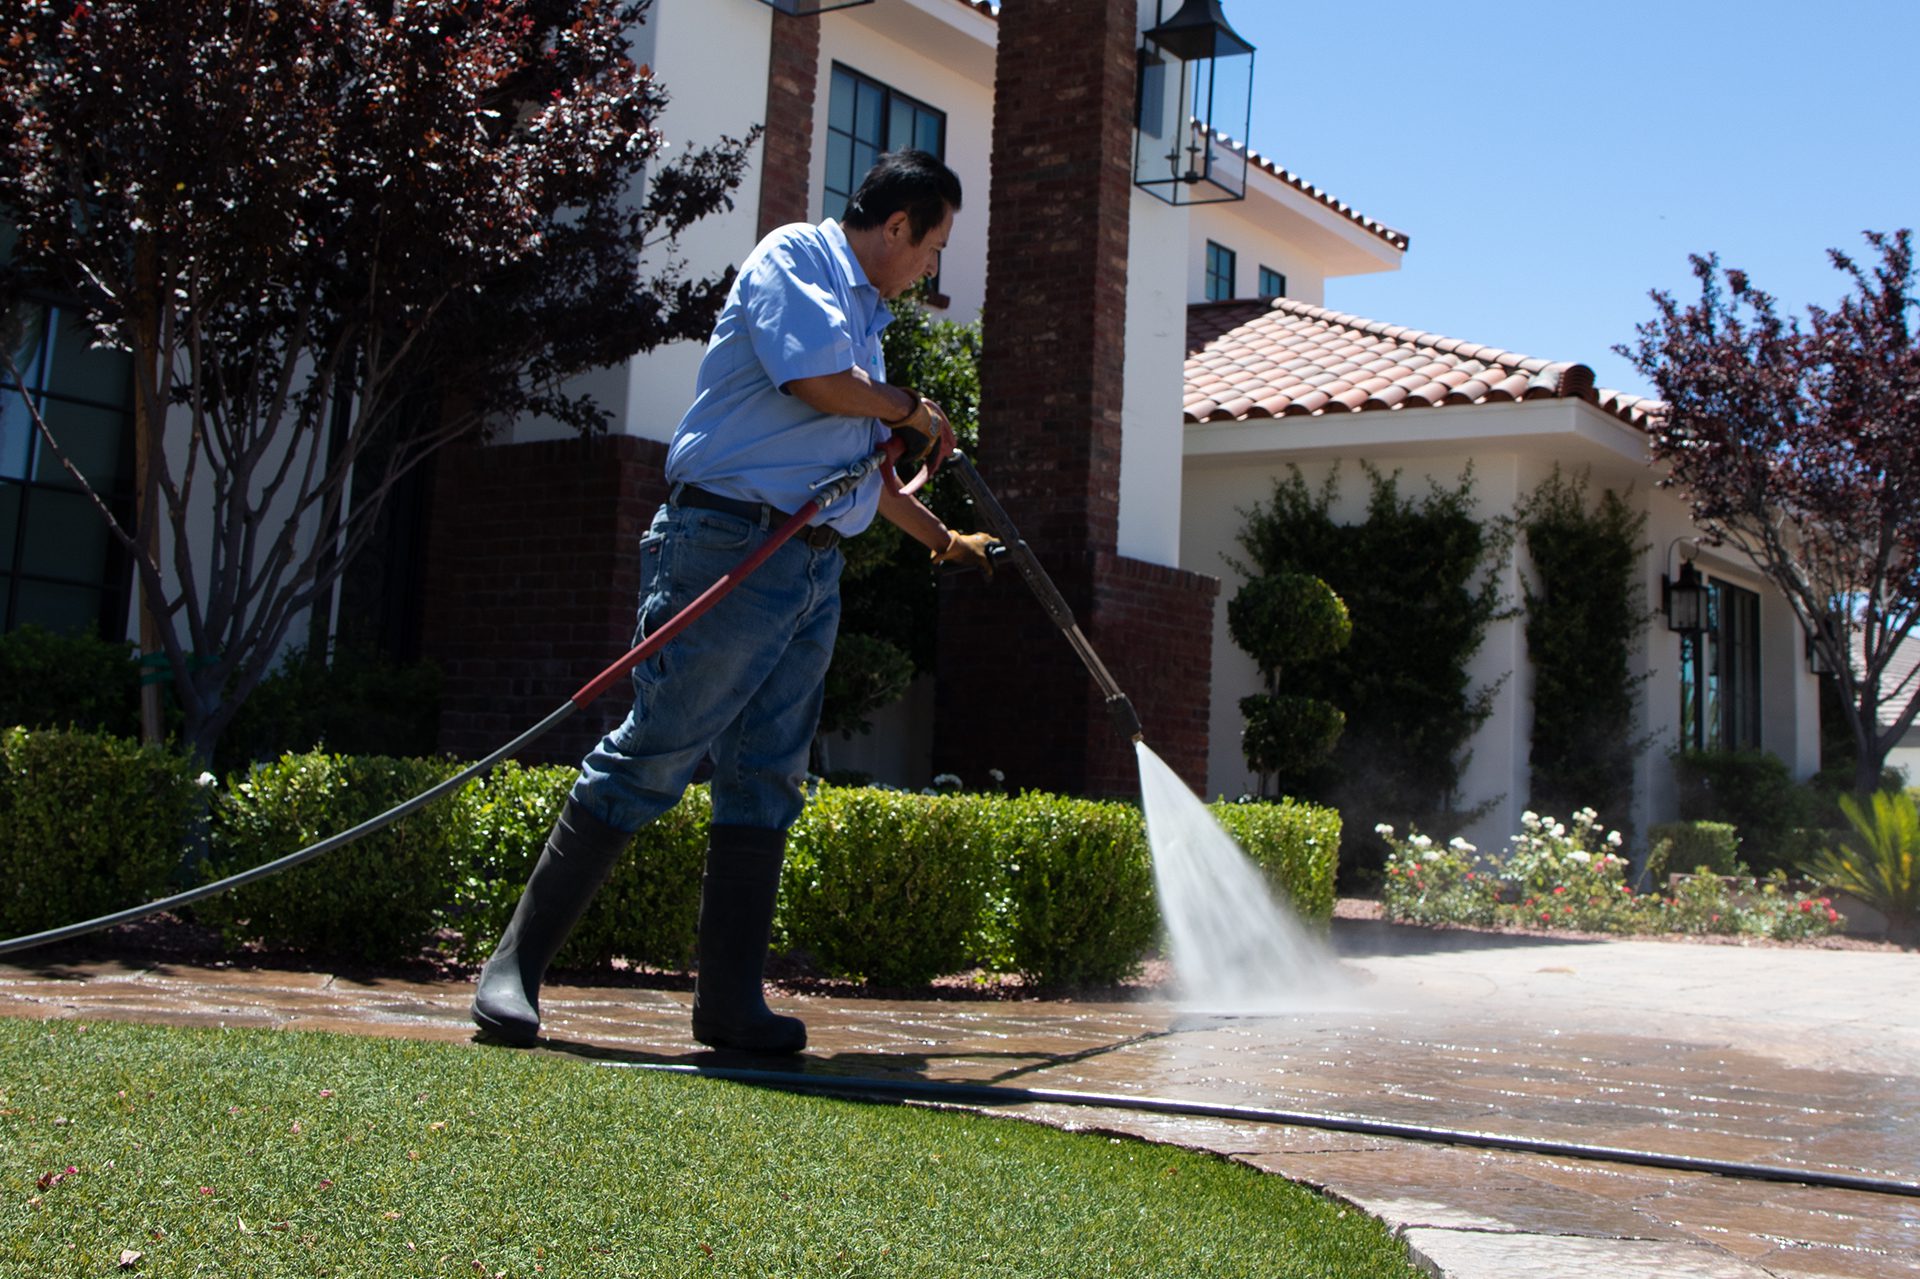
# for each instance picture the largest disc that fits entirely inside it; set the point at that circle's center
(263, 1153)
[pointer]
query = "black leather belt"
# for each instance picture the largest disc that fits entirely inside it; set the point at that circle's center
(818, 536)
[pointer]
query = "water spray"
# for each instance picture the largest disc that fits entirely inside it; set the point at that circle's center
(1235, 948)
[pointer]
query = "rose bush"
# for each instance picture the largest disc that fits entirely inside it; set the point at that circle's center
(1573, 875)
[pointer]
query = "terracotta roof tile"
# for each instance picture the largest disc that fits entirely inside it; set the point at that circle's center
(1258, 359)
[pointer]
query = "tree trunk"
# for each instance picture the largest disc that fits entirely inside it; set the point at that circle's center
(149, 420)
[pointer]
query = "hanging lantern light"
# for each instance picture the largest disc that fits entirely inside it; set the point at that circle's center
(807, 8)
(1196, 102)
(1685, 601)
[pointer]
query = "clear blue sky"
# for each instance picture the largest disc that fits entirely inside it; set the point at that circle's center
(1553, 161)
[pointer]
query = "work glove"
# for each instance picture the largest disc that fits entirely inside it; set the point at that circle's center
(968, 550)
(927, 434)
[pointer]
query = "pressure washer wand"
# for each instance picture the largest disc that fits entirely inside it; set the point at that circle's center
(997, 522)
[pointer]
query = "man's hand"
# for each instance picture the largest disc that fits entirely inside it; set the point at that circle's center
(968, 550)
(928, 434)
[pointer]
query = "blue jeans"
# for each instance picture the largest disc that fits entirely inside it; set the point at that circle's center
(744, 680)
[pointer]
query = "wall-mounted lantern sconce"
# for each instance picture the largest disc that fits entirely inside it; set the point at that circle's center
(807, 8)
(1196, 103)
(1819, 659)
(1684, 599)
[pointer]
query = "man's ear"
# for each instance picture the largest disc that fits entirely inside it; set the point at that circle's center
(899, 226)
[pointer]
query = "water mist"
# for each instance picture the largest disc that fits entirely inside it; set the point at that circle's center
(1234, 948)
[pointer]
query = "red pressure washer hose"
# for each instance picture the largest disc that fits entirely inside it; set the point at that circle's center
(829, 491)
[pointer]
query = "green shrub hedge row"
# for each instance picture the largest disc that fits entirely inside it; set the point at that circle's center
(891, 887)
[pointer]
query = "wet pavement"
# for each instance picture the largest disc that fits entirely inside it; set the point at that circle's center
(1795, 1058)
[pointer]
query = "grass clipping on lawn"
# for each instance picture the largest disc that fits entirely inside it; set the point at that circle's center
(165, 1151)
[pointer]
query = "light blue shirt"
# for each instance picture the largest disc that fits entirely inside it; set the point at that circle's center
(800, 307)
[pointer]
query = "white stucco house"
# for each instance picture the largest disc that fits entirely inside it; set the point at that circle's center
(1224, 365)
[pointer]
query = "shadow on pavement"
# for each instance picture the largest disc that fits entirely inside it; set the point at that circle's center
(1378, 938)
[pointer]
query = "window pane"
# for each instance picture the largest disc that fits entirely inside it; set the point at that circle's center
(840, 175)
(31, 321)
(840, 102)
(9, 520)
(16, 434)
(867, 121)
(864, 155)
(64, 537)
(899, 125)
(927, 134)
(84, 371)
(57, 606)
(91, 438)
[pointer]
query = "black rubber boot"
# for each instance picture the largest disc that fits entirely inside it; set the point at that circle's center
(579, 856)
(736, 923)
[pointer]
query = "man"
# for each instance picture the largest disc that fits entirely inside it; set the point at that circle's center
(792, 388)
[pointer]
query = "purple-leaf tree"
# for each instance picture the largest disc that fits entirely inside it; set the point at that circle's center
(1799, 445)
(334, 236)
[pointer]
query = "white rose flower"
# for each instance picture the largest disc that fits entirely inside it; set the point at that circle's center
(1582, 857)
(1459, 845)
(1614, 838)
(1431, 855)
(207, 779)
(1383, 830)
(1421, 841)
(1559, 831)
(1530, 819)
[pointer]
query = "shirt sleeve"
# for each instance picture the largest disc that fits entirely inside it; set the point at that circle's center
(794, 317)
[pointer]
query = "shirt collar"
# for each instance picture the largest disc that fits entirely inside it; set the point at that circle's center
(837, 241)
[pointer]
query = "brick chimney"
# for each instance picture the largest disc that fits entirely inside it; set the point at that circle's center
(1011, 693)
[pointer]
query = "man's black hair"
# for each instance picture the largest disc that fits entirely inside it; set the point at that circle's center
(910, 181)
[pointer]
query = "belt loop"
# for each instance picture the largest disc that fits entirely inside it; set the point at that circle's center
(673, 494)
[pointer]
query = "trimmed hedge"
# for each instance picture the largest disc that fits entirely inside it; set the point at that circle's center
(89, 824)
(1075, 902)
(890, 887)
(378, 899)
(885, 886)
(1682, 848)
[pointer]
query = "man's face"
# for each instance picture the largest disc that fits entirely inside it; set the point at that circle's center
(904, 263)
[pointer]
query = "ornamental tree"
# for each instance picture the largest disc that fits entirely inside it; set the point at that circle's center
(1278, 619)
(334, 235)
(1799, 445)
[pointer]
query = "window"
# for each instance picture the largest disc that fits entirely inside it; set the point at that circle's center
(1219, 272)
(59, 566)
(1720, 673)
(1272, 283)
(865, 118)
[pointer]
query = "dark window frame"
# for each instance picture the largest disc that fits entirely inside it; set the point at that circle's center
(1222, 266)
(113, 581)
(1720, 699)
(886, 102)
(1269, 276)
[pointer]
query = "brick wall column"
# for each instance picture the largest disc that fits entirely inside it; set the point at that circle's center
(1011, 693)
(533, 577)
(793, 70)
